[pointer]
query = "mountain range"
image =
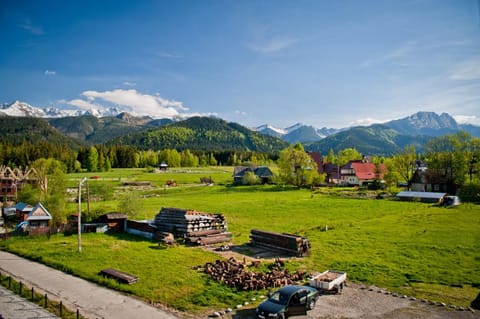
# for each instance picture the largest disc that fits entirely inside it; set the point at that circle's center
(110, 126)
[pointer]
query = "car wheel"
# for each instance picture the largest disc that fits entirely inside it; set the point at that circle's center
(311, 304)
(281, 315)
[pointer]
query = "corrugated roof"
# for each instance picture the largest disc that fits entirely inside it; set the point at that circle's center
(431, 195)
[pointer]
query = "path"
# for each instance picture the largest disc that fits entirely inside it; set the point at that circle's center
(93, 301)
(13, 306)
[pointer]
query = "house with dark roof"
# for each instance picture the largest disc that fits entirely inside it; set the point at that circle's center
(263, 172)
(427, 180)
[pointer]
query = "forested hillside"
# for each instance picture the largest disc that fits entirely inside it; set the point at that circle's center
(372, 140)
(96, 130)
(202, 134)
(16, 130)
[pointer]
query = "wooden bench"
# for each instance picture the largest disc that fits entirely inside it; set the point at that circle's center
(119, 275)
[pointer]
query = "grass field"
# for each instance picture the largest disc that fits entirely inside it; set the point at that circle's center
(413, 248)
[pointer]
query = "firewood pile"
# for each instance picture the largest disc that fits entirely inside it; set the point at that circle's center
(236, 275)
(289, 244)
(196, 227)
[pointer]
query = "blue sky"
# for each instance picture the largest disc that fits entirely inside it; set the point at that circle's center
(322, 63)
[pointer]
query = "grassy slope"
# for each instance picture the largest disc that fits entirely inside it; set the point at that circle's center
(415, 248)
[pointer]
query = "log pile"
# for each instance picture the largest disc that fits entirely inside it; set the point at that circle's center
(208, 237)
(292, 245)
(236, 275)
(196, 227)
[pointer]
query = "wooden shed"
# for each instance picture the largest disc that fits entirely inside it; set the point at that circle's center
(115, 221)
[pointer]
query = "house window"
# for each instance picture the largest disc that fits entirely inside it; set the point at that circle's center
(436, 187)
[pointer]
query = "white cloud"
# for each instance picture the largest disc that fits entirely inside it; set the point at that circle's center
(366, 122)
(241, 113)
(127, 83)
(28, 26)
(138, 103)
(467, 119)
(468, 70)
(86, 105)
(399, 53)
(272, 45)
(49, 73)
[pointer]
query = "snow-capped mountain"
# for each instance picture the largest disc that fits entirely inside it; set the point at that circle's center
(23, 109)
(297, 133)
(428, 123)
(270, 130)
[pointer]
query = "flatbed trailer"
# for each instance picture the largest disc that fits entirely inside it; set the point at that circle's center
(330, 280)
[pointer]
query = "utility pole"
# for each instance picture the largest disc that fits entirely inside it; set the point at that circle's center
(79, 219)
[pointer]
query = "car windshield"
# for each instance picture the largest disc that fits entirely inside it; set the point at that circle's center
(279, 298)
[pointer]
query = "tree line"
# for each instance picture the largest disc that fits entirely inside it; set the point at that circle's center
(101, 157)
(456, 158)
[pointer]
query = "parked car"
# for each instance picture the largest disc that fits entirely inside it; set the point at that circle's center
(288, 301)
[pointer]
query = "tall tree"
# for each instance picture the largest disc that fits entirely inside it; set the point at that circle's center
(296, 167)
(447, 157)
(53, 191)
(404, 164)
(92, 159)
(348, 154)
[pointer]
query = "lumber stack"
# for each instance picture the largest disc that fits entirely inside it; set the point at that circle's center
(289, 244)
(196, 227)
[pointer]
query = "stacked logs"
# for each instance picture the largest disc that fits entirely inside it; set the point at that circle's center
(289, 244)
(208, 237)
(196, 227)
(236, 275)
(182, 221)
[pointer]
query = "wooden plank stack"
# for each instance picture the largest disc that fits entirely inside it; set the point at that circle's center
(196, 227)
(292, 245)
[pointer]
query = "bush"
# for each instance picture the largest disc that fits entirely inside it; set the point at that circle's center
(470, 193)
(250, 179)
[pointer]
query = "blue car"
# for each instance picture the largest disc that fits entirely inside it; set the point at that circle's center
(288, 301)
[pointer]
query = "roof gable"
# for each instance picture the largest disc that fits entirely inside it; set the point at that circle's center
(263, 171)
(39, 212)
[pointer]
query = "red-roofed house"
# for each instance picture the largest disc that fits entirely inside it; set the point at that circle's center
(361, 174)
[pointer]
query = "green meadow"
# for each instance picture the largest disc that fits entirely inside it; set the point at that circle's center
(407, 247)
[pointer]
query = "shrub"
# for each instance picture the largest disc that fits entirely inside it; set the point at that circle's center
(470, 193)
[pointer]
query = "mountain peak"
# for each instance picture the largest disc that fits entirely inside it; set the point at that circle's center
(428, 123)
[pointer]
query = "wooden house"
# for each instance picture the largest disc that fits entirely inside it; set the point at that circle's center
(262, 172)
(38, 220)
(12, 181)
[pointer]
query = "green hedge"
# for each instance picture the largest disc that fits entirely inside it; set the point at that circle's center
(470, 193)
